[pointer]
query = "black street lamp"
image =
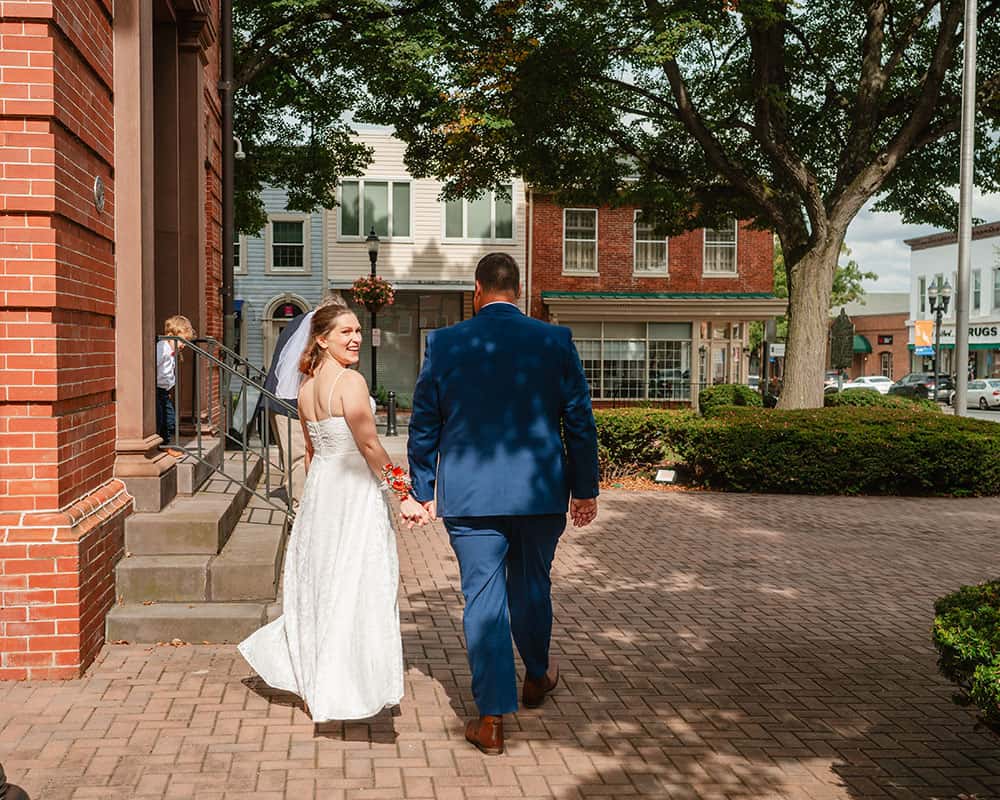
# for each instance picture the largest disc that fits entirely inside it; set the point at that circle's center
(938, 299)
(373, 241)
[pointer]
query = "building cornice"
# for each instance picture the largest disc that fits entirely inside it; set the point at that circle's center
(662, 306)
(984, 231)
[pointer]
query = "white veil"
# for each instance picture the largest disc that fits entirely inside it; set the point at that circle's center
(287, 373)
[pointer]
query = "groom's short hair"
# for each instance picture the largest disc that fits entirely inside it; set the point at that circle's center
(498, 273)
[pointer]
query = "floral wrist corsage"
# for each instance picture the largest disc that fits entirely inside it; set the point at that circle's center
(397, 480)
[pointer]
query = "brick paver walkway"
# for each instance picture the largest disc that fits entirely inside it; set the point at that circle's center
(712, 646)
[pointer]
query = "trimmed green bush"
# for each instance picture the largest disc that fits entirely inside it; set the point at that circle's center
(630, 439)
(845, 450)
(712, 398)
(866, 398)
(967, 637)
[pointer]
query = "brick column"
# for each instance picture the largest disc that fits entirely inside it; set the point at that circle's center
(61, 510)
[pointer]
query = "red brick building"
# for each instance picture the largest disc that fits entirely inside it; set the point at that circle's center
(880, 334)
(110, 156)
(654, 318)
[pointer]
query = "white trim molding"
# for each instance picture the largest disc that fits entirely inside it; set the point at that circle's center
(597, 222)
(306, 220)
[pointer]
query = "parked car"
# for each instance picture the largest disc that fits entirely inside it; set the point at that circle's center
(984, 394)
(831, 380)
(921, 384)
(865, 387)
(878, 382)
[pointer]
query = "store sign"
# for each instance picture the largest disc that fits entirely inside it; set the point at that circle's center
(988, 333)
(376, 337)
(885, 338)
(777, 350)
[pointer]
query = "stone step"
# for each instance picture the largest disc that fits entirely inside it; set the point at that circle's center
(249, 564)
(216, 623)
(162, 578)
(192, 473)
(200, 524)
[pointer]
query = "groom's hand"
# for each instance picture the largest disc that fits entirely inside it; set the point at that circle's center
(583, 512)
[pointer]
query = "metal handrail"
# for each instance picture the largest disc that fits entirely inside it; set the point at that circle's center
(239, 360)
(216, 367)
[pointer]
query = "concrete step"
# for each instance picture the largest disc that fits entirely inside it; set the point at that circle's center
(200, 524)
(248, 566)
(162, 578)
(216, 623)
(192, 473)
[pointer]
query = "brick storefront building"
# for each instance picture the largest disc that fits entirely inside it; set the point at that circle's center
(880, 334)
(654, 319)
(109, 146)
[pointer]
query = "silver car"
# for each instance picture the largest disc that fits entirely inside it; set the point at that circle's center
(984, 394)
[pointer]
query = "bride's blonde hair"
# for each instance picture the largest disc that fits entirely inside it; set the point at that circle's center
(324, 318)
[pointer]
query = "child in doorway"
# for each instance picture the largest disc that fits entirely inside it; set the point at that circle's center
(166, 376)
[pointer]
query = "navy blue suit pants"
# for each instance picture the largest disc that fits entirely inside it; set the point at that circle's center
(505, 564)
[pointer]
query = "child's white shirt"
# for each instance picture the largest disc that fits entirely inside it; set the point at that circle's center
(166, 374)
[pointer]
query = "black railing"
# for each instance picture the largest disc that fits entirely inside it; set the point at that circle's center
(221, 382)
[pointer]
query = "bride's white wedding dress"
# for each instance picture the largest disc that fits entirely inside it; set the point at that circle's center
(337, 644)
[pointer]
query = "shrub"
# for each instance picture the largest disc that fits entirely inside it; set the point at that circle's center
(967, 637)
(845, 450)
(630, 439)
(712, 398)
(866, 398)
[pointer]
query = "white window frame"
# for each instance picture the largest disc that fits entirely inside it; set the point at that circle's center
(306, 220)
(883, 357)
(977, 275)
(363, 225)
(640, 273)
(465, 238)
(921, 294)
(707, 273)
(597, 237)
(241, 248)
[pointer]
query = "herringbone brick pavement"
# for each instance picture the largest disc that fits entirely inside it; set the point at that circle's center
(712, 646)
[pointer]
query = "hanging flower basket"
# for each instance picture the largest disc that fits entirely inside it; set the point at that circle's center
(373, 293)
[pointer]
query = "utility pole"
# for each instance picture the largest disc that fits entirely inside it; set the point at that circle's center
(967, 160)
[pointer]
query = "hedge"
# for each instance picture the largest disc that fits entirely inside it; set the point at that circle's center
(630, 439)
(712, 398)
(866, 398)
(845, 450)
(967, 637)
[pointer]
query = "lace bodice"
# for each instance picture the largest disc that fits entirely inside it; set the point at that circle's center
(332, 436)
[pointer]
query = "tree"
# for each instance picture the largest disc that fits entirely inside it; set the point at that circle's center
(300, 69)
(848, 287)
(793, 115)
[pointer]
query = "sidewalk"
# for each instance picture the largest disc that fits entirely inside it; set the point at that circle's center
(712, 646)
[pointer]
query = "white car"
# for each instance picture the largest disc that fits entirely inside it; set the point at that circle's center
(878, 382)
(984, 394)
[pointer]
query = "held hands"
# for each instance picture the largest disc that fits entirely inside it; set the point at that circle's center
(583, 512)
(413, 513)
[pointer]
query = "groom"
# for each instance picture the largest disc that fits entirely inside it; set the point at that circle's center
(492, 396)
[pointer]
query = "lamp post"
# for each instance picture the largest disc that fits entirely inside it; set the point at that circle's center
(938, 299)
(373, 242)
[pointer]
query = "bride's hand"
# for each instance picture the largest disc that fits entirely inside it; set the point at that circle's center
(413, 513)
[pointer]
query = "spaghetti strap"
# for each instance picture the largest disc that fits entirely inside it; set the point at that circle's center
(329, 398)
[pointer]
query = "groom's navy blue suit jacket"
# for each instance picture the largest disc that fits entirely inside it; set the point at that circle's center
(493, 396)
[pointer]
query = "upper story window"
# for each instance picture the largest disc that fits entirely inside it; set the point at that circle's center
(488, 218)
(922, 293)
(239, 256)
(371, 203)
(650, 254)
(977, 289)
(720, 250)
(580, 240)
(286, 245)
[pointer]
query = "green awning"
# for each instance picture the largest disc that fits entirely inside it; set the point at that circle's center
(861, 344)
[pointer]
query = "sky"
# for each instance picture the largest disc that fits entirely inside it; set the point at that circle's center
(876, 242)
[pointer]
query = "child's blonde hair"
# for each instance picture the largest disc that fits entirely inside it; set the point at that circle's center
(178, 325)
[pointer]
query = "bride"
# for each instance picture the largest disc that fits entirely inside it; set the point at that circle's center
(337, 644)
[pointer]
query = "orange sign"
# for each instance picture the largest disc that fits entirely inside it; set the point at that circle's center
(923, 333)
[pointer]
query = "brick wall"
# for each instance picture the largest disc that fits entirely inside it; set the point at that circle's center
(61, 512)
(615, 257)
(870, 326)
(213, 194)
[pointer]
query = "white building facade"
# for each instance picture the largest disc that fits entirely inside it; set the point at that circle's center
(428, 250)
(934, 259)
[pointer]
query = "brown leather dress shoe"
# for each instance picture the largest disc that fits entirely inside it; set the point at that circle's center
(486, 733)
(535, 689)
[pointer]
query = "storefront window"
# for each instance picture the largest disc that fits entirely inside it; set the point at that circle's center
(635, 360)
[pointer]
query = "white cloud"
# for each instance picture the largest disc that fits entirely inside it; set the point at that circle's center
(876, 242)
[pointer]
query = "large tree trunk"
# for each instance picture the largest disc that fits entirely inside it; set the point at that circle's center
(810, 285)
